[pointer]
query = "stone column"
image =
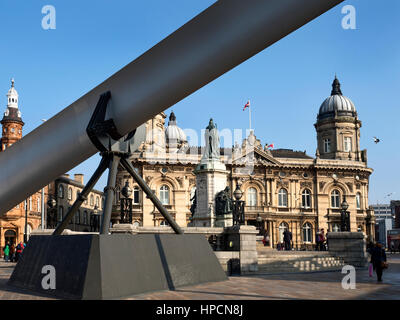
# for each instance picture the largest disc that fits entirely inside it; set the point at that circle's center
(244, 240)
(211, 178)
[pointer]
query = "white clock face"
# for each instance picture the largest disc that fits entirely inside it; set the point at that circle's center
(334, 176)
(357, 178)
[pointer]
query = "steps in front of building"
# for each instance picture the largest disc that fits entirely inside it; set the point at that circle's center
(295, 261)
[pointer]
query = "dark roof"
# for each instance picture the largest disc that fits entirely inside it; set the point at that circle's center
(289, 153)
(12, 116)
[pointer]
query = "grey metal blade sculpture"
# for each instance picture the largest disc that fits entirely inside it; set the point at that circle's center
(218, 39)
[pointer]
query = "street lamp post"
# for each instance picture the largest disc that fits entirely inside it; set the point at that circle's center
(238, 206)
(26, 222)
(52, 213)
(259, 223)
(344, 216)
(126, 204)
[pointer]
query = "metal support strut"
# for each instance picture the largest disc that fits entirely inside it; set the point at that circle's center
(114, 152)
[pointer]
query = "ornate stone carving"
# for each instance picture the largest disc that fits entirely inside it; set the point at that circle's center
(350, 185)
(321, 185)
(306, 184)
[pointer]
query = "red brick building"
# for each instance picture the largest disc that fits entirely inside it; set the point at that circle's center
(12, 224)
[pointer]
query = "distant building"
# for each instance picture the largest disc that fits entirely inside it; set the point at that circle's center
(65, 191)
(395, 206)
(12, 223)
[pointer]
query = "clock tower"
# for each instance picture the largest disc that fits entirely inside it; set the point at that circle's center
(11, 123)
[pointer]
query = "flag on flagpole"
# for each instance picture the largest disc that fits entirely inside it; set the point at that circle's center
(270, 146)
(246, 105)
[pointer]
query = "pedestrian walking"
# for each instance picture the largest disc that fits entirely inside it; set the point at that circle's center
(378, 260)
(18, 251)
(7, 252)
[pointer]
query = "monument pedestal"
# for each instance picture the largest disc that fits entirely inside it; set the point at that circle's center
(211, 176)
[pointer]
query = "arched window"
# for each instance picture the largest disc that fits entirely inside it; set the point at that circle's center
(164, 223)
(335, 199)
(306, 198)
(91, 200)
(136, 195)
(335, 227)
(282, 198)
(358, 200)
(252, 197)
(69, 193)
(60, 213)
(38, 204)
(282, 227)
(98, 202)
(30, 203)
(164, 195)
(307, 232)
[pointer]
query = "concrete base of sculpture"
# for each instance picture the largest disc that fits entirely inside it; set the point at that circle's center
(114, 266)
(351, 246)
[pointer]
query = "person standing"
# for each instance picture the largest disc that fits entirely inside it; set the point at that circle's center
(287, 239)
(378, 260)
(19, 249)
(7, 252)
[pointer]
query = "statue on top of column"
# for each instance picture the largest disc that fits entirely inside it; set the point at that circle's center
(212, 142)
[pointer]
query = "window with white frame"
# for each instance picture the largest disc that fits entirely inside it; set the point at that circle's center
(335, 199)
(69, 193)
(358, 200)
(282, 198)
(347, 144)
(307, 232)
(30, 203)
(91, 200)
(252, 197)
(38, 204)
(60, 191)
(306, 199)
(164, 194)
(327, 145)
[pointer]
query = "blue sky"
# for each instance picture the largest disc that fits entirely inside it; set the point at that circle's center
(286, 83)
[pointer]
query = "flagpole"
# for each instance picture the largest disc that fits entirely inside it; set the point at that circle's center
(250, 117)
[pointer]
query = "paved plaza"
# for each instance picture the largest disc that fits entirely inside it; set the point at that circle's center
(321, 285)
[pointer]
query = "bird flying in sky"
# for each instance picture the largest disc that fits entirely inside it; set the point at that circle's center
(376, 140)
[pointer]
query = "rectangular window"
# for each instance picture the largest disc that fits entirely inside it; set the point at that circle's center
(347, 144)
(327, 145)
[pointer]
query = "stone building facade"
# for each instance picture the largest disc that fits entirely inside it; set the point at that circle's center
(65, 191)
(287, 189)
(12, 223)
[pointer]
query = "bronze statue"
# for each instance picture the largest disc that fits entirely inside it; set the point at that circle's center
(223, 202)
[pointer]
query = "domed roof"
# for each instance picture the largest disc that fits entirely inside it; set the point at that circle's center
(12, 112)
(173, 133)
(336, 104)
